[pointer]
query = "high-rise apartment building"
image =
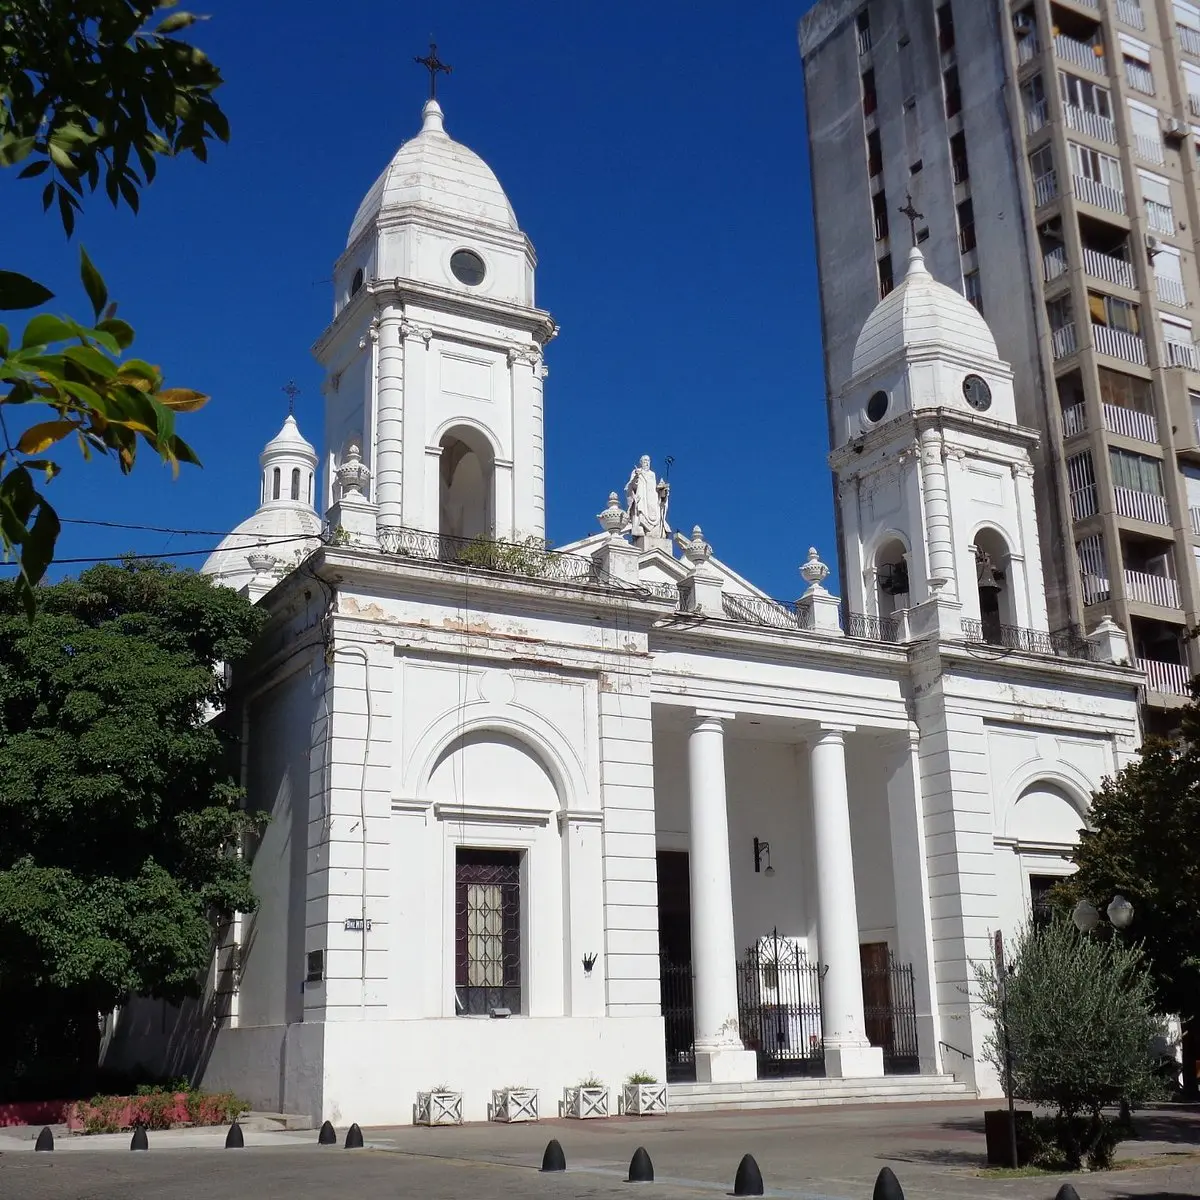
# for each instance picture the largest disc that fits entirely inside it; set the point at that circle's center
(1051, 148)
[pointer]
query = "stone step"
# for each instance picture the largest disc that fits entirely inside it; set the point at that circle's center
(266, 1122)
(802, 1093)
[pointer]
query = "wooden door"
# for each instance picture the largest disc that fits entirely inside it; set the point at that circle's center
(877, 992)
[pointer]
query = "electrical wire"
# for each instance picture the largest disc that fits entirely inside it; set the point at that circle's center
(143, 528)
(99, 558)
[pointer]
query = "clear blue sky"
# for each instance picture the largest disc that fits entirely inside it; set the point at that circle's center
(654, 153)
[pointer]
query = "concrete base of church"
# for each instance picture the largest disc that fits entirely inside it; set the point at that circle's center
(853, 1062)
(726, 1065)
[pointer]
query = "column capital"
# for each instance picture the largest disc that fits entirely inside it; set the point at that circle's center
(831, 731)
(705, 715)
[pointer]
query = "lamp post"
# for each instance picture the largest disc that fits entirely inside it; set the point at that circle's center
(1086, 916)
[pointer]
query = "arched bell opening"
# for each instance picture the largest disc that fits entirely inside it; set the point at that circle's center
(891, 577)
(994, 584)
(466, 485)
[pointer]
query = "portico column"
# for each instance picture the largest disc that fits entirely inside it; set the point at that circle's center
(847, 1051)
(720, 1056)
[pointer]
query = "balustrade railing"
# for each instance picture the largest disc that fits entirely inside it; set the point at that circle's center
(1066, 643)
(1036, 116)
(1160, 217)
(1045, 188)
(1189, 38)
(1027, 49)
(1194, 514)
(1130, 423)
(1131, 13)
(1116, 343)
(1095, 588)
(1180, 354)
(864, 40)
(772, 614)
(1149, 149)
(1054, 264)
(1172, 679)
(1074, 420)
(1063, 340)
(1139, 78)
(1090, 191)
(1084, 502)
(1170, 291)
(1109, 268)
(1141, 506)
(870, 628)
(1151, 589)
(1093, 124)
(1088, 55)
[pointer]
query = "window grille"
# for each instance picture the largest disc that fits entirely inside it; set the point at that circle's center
(487, 931)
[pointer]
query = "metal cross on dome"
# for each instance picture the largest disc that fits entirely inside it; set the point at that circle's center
(909, 211)
(433, 65)
(291, 391)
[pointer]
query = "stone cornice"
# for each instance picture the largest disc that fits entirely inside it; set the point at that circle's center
(927, 352)
(985, 660)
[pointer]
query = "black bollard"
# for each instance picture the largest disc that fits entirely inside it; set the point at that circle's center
(234, 1139)
(887, 1186)
(354, 1138)
(45, 1140)
(748, 1180)
(554, 1159)
(139, 1140)
(1066, 1192)
(641, 1169)
(327, 1136)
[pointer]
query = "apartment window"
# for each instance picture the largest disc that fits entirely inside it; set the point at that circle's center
(1033, 103)
(1136, 472)
(1147, 135)
(1136, 57)
(1082, 93)
(874, 153)
(1178, 333)
(966, 226)
(487, 931)
(886, 281)
(973, 290)
(870, 100)
(1187, 25)
(1116, 314)
(1091, 164)
(1156, 195)
(958, 157)
(1191, 83)
(1168, 276)
(945, 27)
(1125, 391)
(863, 27)
(952, 91)
(880, 211)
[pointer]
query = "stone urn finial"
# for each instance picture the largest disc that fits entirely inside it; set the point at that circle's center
(613, 517)
(695, 549)
(260, 562)
(352, 472)
(814, 572)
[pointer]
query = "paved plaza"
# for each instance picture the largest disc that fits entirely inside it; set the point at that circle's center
(936, 1150)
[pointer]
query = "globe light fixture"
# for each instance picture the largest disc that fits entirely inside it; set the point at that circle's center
(1120, 912)
(1086, 916)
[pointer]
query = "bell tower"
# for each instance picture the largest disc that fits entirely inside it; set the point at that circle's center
(934, 478)
(433, 362)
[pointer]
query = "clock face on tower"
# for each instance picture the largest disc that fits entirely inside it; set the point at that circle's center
(977, 393)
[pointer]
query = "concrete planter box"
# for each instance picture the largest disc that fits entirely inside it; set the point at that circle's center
(644, 1099)
(585, 1103)
(438, 1108)
(514, 1105)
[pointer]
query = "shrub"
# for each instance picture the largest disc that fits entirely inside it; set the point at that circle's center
(641, 1077)
(1080, 1023)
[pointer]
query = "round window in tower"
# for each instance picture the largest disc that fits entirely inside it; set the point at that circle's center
(357, 281)
(977, 393)
(877, 407)
(468, 267)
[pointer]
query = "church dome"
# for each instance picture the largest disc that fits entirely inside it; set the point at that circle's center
(286, 525)
(922, 312)
(437, 172)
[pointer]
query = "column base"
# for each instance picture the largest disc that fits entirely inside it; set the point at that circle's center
(853, 1062)
(726, 1065)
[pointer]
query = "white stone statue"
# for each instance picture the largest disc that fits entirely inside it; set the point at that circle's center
(647, 498)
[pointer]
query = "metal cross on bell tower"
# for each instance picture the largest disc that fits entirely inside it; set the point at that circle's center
(291, 391)
(433, 65)
(909, 211)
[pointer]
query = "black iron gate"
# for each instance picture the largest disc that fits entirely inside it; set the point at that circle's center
(890, 1010)
(779, 1007)
(678, 1019)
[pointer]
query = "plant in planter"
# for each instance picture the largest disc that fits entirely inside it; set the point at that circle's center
(644, 1096)
(514, 1104)
(587, 1099)
(441, 1105)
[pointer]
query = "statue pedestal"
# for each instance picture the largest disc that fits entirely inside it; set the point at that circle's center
(654, 543)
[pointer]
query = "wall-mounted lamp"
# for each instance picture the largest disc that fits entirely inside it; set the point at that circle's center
(589, 961)
(762, 853)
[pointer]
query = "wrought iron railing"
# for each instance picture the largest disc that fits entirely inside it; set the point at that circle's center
(890, 1013)
(870, 628)
(1061, 643)
(779, 1007)
(772, 614)
(526, 559)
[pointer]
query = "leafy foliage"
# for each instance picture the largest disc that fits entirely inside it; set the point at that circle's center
(1080, 1024)
(1145, 845)
(90, 92)
(119, 810)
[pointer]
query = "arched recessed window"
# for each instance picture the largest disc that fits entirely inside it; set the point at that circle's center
(310, 487)
(295, 483)
(357, 281)
(275, 484)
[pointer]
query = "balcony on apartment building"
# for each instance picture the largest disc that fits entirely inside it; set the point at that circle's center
(1149, 571)
(1179, 353)
(1105, 252)
(1117, 406)
(1170, 290)
(1189, 38)
(1094, 124)
(1063, 339)
(1100, 195)
(1158, 650)
(1160, 217)
(1130, 12)
(1088, 54)
(1119, 343)
(1045, 187)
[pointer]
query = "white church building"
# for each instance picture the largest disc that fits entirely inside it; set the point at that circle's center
(542, 816)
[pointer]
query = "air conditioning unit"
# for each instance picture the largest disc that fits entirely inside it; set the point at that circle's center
(1022, 21)
(1152, 245)
(1174, 130)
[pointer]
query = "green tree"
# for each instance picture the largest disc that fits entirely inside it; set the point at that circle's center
(1144, 844)
(1080, 1024)
(92, 93)
(119, 804)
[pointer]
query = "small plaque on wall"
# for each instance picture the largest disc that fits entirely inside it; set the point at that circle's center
(355, 925)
